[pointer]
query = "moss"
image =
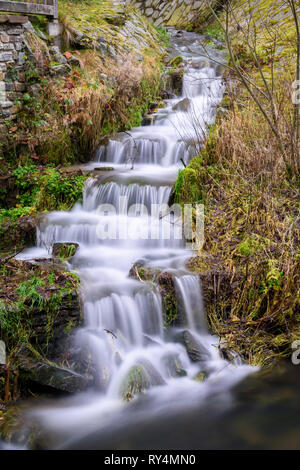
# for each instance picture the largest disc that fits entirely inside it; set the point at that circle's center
(188, 185)
(170, 309)
(28, 295)
(136, 382)
(65, 123)
(176, 62)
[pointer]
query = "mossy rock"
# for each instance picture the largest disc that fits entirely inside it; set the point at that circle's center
(137, 381)
(196, 351)
(173, 366)
(164, 282)
(176, 80)
(33, 369)
(176, 62)
(64, 251)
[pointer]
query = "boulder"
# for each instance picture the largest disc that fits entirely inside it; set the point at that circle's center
(196, 351)
(147, 120)
(183, 105)
(173, 366)
(46, 374)
(165, 285)
(176, 80)
(135, 382)
(139, 379)
(64, 250)
(75, 61)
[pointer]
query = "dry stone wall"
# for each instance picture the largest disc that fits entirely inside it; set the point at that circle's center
(12, 64)
(178, 13)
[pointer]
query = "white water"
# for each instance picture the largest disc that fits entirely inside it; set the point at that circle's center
(123, 318)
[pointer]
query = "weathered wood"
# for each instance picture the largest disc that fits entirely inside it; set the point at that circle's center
(44, 7)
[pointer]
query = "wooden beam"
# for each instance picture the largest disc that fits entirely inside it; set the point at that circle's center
(29, 8)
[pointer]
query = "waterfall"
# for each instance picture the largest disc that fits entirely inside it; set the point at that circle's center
(123, 317)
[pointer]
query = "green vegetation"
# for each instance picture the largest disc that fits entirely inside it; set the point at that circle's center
(136, 382)
(40, 293)
(215, 31)
(36, 189)
(66, 120)
(165, 36)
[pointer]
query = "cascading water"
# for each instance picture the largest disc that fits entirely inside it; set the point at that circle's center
(123, 317)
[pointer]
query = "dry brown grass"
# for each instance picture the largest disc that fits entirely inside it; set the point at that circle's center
(72, 114)
(252, 228)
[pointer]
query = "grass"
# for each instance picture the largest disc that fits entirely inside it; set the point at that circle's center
(251, 226)
(65, 123)
(30, 291)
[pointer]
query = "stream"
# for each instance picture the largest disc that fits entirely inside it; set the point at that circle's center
(123, 317)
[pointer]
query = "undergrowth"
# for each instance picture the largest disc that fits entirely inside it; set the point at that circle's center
(28, 295)
(251, 198)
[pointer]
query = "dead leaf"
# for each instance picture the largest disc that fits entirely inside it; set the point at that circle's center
(68, 55)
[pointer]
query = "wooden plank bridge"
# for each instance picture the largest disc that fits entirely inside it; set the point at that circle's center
(31, 7)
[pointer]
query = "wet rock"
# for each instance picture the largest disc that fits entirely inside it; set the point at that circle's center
(147, 120)
(64, 250)
(196, 351)
(148, 341)
(176, 81)
(136, 382)
(174, 367)
(140, 271)
(57, 345)
(139, 379)
(51, 322)
(47, 374)
(165, 285)
(176, 61)
(183, 105)
(218, 287)
(153, 374)
(200, 377)
(104, 168)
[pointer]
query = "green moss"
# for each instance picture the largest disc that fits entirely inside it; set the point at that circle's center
(42, 293)
(170, 309)
(176, 62)
(215, 31)
(164, 35)
(67, 251)
(188, 187)
(136, 382)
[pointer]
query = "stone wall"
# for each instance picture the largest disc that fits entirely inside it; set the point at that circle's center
(178, 13)
(12, 64)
